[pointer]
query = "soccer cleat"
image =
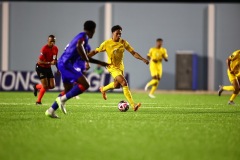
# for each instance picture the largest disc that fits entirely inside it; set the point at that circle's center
(220, 90)
(137, 106)
(151, 96)
(38, 103)
(103, 93)
(146, 87)
(61, 105)
(35, 90)
(231, 103)
(51, 114)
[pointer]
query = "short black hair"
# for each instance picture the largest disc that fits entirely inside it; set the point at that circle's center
(89, 25)
(159, 39)
(51, 36)
(117, 27)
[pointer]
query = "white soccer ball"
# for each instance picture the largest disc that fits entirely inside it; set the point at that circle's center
(123, 106)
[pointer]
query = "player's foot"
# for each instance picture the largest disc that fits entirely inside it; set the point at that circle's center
(220, 90)
(61, 105)
(231, 103)
(146, 87)
(35, 90)
(103, 93)
(38, 103)
(137, 106)
(151, 96)
(77, 97)
(51, 114)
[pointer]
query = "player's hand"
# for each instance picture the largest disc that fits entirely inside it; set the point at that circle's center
(87, 66)
(53, 62)
(146, 61)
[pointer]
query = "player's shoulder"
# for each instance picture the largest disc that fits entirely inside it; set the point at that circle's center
(235, 53)
(45, 47)
(123, 41)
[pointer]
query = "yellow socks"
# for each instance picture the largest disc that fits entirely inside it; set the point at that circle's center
(228, 88)
(154, 87)
(128, 95)
(108, 87)
(233, 97)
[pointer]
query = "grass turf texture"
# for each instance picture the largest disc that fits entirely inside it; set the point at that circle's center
(172, 126)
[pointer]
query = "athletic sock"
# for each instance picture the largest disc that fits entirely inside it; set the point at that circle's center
(233, 97)
(55, 105)
(154, 88)
(108, 87)
(39, 86)
(128, 95)
(76, 90)
(41, 93)
(228, 88)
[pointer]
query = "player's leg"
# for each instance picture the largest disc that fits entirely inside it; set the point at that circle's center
(154, 79)
(224, 88)
(154, 87)
(78, 88)
(158, 72)
(51, 111)
(43, 87)
(236, 86)
(126, 91)
(108, 87)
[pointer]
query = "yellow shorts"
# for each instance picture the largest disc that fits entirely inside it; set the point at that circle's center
(115, 71)
(232, 77)
(156, 69)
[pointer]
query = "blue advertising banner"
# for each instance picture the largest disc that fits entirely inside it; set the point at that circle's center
(24, 80)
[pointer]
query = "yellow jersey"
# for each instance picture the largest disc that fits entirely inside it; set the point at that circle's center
(235, 61)
(115, 52)
(157, 54)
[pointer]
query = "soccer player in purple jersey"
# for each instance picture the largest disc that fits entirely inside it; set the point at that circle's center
(71, 64)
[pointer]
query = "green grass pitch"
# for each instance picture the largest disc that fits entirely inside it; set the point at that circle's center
(170, 127)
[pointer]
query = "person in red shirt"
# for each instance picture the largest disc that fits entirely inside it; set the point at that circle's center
(48, 57)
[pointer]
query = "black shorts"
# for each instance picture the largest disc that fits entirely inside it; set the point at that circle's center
(44, 72)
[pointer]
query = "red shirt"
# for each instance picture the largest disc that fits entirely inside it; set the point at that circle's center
(48, 54)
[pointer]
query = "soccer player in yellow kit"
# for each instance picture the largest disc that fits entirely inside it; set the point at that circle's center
(115, 48)
(233, 64)
(155, 55)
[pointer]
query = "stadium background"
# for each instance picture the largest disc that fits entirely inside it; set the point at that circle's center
(183, 26)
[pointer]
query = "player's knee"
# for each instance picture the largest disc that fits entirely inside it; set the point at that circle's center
(124, 83)
(236, 90)
(45, 86)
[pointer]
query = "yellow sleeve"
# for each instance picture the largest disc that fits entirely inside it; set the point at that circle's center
(102, 47)
(150, 52)
(127, 46)
(165, 55)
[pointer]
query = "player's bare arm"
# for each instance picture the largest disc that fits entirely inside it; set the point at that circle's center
(82, 53)
(92, 53)
(228, 61)
(138, 56)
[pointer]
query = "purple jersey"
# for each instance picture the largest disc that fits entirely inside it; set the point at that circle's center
(70, 64)
(70, 53)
